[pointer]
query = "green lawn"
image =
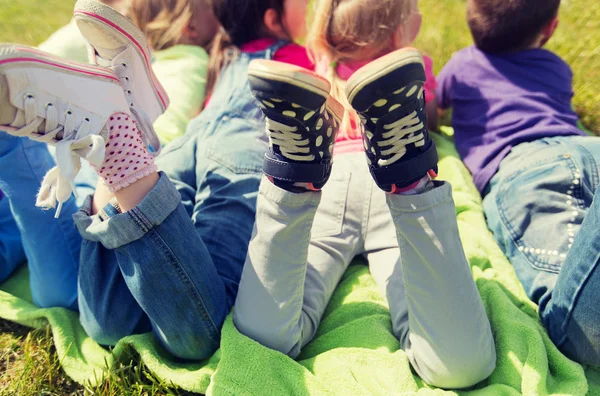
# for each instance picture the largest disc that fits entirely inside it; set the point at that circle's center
(28, 363)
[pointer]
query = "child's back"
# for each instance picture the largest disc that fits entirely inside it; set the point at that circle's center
(502, 100)
(517, 133)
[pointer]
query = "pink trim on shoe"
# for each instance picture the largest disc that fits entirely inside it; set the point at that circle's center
(157, 87)
(79, 70)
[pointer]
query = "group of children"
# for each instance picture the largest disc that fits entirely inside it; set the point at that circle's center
(230, 214)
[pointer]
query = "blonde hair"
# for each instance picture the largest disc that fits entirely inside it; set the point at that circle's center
(347, 30)
(162, 21)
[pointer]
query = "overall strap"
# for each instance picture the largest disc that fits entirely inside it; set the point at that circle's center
(275, 47)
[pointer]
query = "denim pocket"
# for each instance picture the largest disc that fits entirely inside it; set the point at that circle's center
(329, 218)
(541, 207)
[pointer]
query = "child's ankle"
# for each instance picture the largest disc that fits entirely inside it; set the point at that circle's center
(294, 187)
(126, 158)
(419, 187)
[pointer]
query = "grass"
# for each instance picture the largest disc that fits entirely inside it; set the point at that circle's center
(28, 362)
(29, 365)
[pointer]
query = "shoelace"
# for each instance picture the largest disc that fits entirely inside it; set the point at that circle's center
(74, 144)
(290, 142)
(399, 135)
(149, 135)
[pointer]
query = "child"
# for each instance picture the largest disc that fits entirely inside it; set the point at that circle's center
(162, 256)
(516, 132)
(309, 226)
(178, 31)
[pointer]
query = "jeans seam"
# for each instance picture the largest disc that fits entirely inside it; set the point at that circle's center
(135, 216)
(593, 169)
(185, 278)
(146, 225)
(575, 299)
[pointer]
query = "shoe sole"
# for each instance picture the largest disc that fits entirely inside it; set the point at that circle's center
(101, 16)
(289, 74)
(17, 55)
(379, 69)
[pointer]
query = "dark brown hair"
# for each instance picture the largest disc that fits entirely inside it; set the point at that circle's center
(242, 21)
(499, 26)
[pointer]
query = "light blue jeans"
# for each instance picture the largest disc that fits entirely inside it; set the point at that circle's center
(303, 243)
(543, 206)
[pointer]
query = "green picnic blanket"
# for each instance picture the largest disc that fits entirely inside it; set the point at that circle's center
(354, 351)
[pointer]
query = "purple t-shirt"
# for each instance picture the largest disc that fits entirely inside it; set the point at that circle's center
(499, 101)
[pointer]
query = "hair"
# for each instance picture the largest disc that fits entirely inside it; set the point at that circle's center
(242, 21)
(499, 26)
(162, 21)
(345, 30)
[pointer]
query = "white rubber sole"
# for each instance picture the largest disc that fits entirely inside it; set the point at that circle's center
(379, 68)
(17, 56)
(93, 16)
(290, 74)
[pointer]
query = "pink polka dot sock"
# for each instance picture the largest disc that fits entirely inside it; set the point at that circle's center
(126, 158)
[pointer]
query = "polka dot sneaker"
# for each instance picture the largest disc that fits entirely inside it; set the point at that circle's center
(302, 121)
(62, 103)
(117, 43)
(389, 99)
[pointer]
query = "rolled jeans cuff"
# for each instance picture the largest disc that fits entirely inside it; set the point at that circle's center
(123, 228)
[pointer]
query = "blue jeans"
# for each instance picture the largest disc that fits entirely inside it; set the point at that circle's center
(543, 206)
(53, 278)
(173, 263)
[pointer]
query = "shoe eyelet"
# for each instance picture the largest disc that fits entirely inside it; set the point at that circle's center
(86, 119)
(68, 112)
(29, 96)
(126, 78)
(131, 105)
(124, 64)
(128, 92)
(49, 105)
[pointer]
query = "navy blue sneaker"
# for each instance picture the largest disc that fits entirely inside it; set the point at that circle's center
(302, 122)
(388, 96)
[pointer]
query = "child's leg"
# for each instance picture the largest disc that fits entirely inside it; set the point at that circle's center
(51, 245)
(166, 266)
(436, 310)
(291, 272)
(572, 316)
(11, 248)
(536, 208)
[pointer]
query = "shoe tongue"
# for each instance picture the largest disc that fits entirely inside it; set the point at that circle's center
(104, 56)
(8, 112)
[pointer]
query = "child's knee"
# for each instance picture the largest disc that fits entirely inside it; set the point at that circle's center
(64, 297)
(460, 371)
(198, 347)
(103, 334)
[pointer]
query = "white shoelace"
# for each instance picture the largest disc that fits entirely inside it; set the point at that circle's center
(74, 144)
(290, 142)
(401, 133)
(149, 135)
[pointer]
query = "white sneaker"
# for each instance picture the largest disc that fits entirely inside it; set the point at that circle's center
(63, 103)
(116, 42)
